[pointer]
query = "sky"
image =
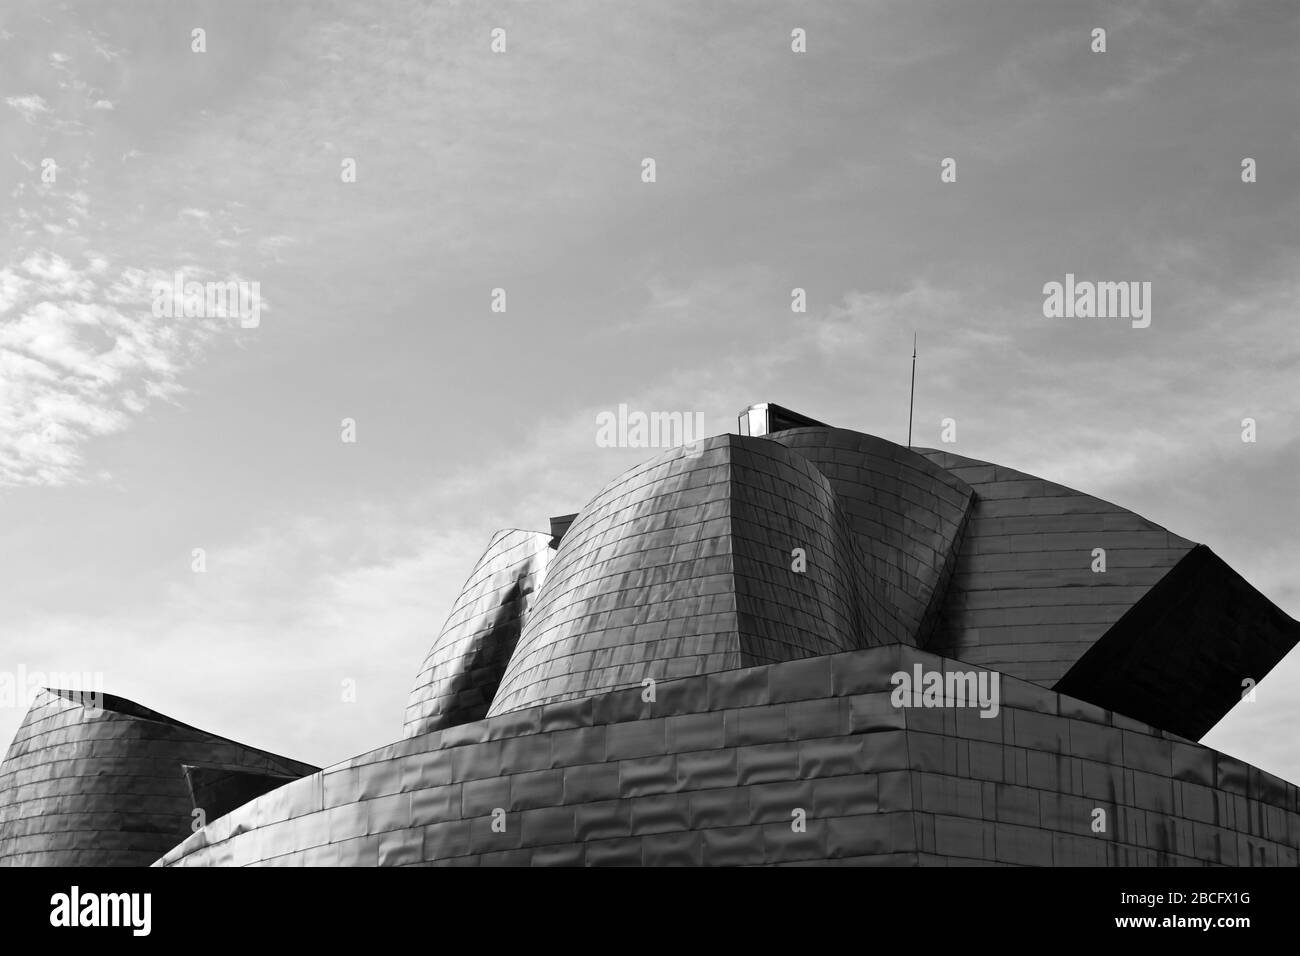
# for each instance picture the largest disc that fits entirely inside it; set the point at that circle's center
(128, 440)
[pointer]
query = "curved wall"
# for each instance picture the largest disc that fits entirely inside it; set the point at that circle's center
(785, 516)
(772, 699)
(641, 586)
(460, 675)
(111, 786)
(687, 565)
(907, 513)
(1024, 599)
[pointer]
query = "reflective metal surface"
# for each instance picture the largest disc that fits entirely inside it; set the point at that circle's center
(460, 675)
(907, 513)
(688, 565)
(117, 785)
(1024, 598)
(699, 669)
(713, 772)
(764, 418)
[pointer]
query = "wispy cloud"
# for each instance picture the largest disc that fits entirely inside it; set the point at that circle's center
(29, 107)
(521, 170)
(82, 354)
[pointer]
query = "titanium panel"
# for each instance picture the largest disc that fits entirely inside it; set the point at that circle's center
(1023, 598)
(463, 669)
(112, 785)
(695, 562)
(721, 777)
(907, 512)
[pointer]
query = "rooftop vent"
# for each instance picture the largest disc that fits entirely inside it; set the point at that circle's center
(767, 417)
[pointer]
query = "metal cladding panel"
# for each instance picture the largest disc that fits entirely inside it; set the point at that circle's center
(1024, 599)
(802, 585)
(108, 785)
(807, 761)
(641, 586)
(464, 667)
(907, 513)
(691, 564)
(776, 589)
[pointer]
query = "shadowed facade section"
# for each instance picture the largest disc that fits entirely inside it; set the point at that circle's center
(1179, 657)
(218, 790)
(461, 673)
(117, 784)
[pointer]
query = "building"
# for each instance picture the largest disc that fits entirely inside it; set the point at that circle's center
(97, 780)
(711, 664)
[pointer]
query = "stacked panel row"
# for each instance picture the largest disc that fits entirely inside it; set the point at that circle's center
(1024, 597)
(797, 762)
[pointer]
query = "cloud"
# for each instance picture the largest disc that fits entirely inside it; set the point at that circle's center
(81, 355)
(82, 352)
(295, 607)
(29, 107)
(477, 170)
(107, 52)
(856, 323)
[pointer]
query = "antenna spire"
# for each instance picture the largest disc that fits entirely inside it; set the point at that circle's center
(912, 397)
